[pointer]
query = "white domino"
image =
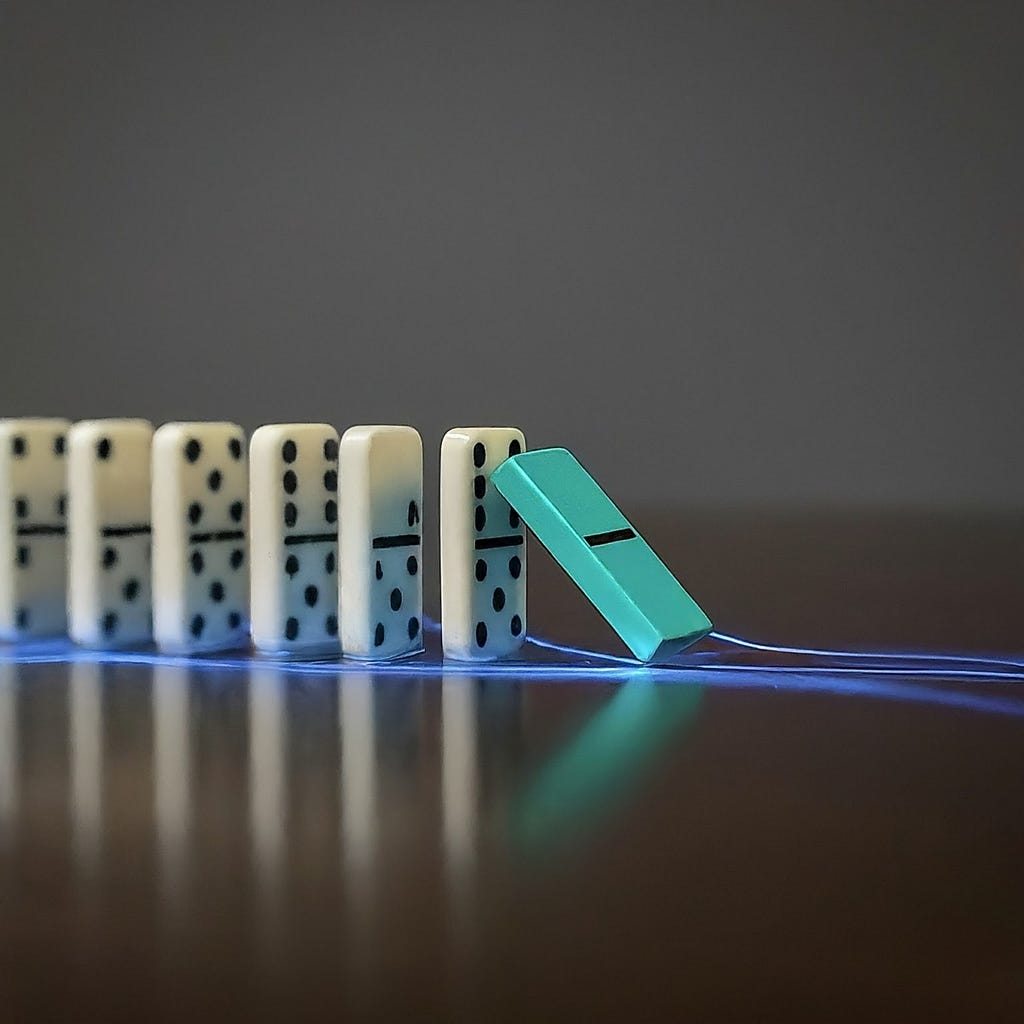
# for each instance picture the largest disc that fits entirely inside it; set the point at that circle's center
(379, 548)
(33, 488)
(200, 564)
(483, 547)
(294, 538)
(109, 600)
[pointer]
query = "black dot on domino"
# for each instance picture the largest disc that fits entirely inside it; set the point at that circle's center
(237, 558)
(104, 447)
(516, 625)
(329, 562)
(515, 566)
(331, 625)
(291, 565)
(378, 635)
(481, 518)
(514, 447)
(19, 446)
(479, 487)
(197, 562)
(291, 628)
(481, 634)
(481, 570)
(312, 595)
(331, 512)
(109, 623)
(411, 565)
(22, 618)
(131, 589)
(109, 558)
(378, 570)
(479, 455)
(193, 449)
(289, 451)
(331, 480)
(62, 504)
(291, 513)
(396, 599)
(217, 591)
(59, 444)
(498, 599)
(234, 620)
(414, 627)
(23, 555)
(213, 481)
(21, 507)
(331, 450)
(513, 519)
(290, 481)
(195, 512)
(197, 626)
(414, 513)
(235, 449)
(236, 510)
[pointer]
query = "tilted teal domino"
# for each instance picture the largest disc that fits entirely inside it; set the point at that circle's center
(602, 552)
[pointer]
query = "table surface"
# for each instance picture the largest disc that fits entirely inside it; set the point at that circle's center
(181, 841)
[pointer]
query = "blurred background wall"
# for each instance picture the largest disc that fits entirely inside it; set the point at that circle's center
(731, 253)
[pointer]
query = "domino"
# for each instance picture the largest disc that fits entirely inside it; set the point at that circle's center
(109, 600)
(602, 553)
(483, 548)
(379, 546)
(33, 528)
(200, 569)
(294, 538)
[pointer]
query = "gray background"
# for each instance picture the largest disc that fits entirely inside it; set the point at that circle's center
(730, 253)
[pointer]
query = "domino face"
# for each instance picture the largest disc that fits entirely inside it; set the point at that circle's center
(379, 548)
(33, 545)
(200, 565)
(602, 553)
(483, 547)
(109, 599)
(294, 538)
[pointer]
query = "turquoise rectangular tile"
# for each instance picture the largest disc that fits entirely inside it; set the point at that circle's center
(602, 552)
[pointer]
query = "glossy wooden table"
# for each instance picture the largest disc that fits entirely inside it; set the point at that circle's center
(191, 844)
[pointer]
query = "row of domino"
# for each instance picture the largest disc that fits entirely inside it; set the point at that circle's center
(189, 537)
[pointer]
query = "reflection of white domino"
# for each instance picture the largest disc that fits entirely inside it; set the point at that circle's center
(109, 532)
(379, 548)
(483, 547)
(33, 552)
(200, 576)
(294, 537)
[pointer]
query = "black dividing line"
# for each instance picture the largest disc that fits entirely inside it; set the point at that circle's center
(498, 542)
(125, 531)
(397, 540)
(203, 538)
(309, 538)
(41, 530)
(596, 539)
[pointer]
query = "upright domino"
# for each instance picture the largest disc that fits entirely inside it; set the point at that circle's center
(602, 553)
(33, 553)
(294, 538)
(109, 600)
(200, 569)
(483, 547)
(379, 547)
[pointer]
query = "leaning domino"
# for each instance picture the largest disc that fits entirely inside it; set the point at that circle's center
(109, 532)
(33, 552)
(483, 547)
(381, 592)
(200, 572)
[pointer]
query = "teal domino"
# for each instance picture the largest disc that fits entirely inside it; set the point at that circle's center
(602, 552)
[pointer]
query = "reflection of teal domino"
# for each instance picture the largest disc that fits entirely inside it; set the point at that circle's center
(605, 557)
